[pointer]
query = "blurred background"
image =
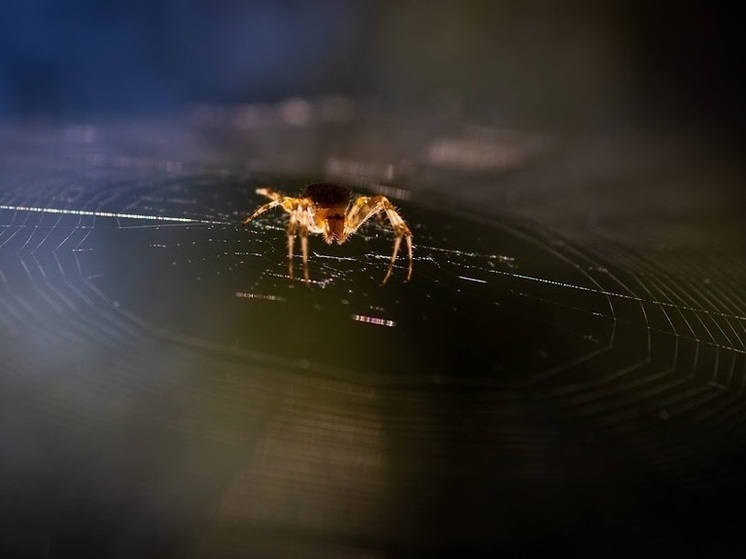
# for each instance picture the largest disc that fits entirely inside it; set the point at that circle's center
(196, 404)
(575, 61)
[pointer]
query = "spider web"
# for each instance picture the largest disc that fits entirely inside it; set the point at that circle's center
(139, 317)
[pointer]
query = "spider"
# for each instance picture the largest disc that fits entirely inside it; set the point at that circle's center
(326, 209)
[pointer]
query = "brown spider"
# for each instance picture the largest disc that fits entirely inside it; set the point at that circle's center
(326, 209)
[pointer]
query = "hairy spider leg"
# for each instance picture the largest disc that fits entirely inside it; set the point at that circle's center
(260, 210)
(304, 219)
(269, 193)
(366, 207)
(300, 216)
(276, 197)
(298, 223)
(291, 239)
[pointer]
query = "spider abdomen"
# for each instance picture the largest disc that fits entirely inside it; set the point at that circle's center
(327, 195)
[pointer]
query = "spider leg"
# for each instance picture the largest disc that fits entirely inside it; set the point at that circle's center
(291, 240)
(304, 250)
(366, 207)
(305, 218)
(397, 242)
(380, 220)
(260, 210)
(287, 203)
(299, 219)
(401, 230)
(269, 193)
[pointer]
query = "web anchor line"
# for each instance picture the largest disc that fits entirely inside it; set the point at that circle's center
(115, 215)
(619, 295)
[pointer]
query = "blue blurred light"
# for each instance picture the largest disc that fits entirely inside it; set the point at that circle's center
(92, 55)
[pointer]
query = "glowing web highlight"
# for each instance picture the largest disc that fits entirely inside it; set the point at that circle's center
(89, 213)
(620, 295)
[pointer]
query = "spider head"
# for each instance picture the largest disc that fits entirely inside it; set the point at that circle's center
(335, 227)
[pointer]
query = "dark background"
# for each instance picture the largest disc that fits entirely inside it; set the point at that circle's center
(569, 61)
